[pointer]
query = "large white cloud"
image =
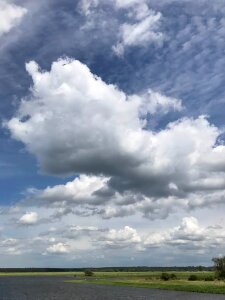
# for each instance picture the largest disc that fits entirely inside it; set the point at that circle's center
(76, 123)
(10, 16)
(121, 238)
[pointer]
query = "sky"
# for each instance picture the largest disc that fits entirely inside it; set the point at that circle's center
(112, 132)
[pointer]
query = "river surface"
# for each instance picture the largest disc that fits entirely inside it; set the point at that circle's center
(55, 288)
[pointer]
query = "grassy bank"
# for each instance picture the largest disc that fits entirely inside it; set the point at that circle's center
(152, 280)
(178, 285)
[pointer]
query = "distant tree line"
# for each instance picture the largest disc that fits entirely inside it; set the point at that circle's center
(110, 269)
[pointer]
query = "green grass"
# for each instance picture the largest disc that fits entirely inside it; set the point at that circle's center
(149, 274)
(152, 280)
(114, 275)
(178, 285)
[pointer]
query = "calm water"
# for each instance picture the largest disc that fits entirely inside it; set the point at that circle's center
(54, 288)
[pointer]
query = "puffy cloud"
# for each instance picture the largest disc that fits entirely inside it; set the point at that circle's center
(94, 237)
(76, 123)
(30, 218)
(141, 33)
(112, 134)
(154, 102)
(189, 236)
(121, 238)
(141, 30)
(79, 191)
(8, 242)
(11, 246)
(10, 16)
(58, 248)
(82, 243)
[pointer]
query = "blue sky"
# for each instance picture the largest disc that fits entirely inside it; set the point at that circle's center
(112, 137)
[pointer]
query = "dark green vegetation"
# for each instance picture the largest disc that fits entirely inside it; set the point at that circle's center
(88, 273)
(193, 277)
(219, 265)
(106, 269)
(168, 276)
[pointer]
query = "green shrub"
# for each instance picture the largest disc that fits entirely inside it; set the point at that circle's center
(173, 276)
(193, 277)
(88, 273)
(209, 278)
(165, 276)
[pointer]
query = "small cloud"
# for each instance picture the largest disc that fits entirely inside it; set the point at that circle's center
(30, 218)
(10, 16)
(143, 28)
(58, 248)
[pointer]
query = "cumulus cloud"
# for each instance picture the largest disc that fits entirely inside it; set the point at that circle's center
(75, 123)
(30, 218)
(112, 134)
(188, 236)
(81, 190)
(154, 102)
(142, 28)
(10, 16)
(58, 248)
(140, 33)
(11, 246)
(94, 237)
(121, 238)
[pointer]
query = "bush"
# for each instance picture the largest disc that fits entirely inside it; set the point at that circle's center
(88, 273)
(219, 265)
(165, 276)
(173, 276)
(209, 278)
(193, 277)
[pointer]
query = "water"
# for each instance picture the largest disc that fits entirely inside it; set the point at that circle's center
(55, 288)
